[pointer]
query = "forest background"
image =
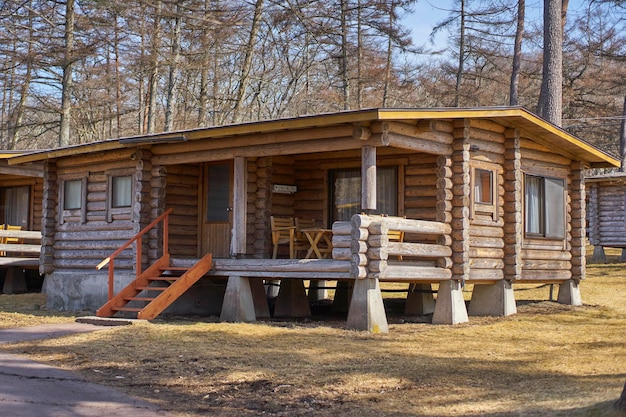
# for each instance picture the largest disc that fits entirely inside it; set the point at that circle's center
(77, 71)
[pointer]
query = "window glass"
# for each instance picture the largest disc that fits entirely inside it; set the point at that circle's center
(72, 194)
(218, 193)
(15, 205)
(121, 191)
(544, 207)
(346, 192)
(483, 186)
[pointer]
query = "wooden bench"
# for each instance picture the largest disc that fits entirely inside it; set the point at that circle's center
(19, 250)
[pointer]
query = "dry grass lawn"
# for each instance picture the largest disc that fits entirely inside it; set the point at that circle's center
(548, 360)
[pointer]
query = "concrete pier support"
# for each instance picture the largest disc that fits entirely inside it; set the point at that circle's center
(493, 300)
(343, 295)
(261, 307)
(450, 306)
(292, 301)
(420, 300)
(569, 293)
(317, 290)
(367, 311)
(599, 257)
(238, 305)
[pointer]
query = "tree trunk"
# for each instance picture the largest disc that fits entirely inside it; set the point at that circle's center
(459, 72)
(344, 55)
(68, 61)
(622, 140)
(517, 53)
(172, 84)
(247, 64)
(153, 81)
(550, 105)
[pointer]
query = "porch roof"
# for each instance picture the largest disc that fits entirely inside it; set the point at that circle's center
(538, 129)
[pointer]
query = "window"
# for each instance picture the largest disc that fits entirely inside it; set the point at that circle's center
(15, 206)
(484, 186)
(72, 194)
(544, 207)
(121, 191)
(346, 192)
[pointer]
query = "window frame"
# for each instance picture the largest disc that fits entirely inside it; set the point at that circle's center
(479, 207)
(68, 213)
(546, 209)
(330, 175)
(110, 208)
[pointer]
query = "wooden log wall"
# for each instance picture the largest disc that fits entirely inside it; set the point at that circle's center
(608, 220)
(259, 235)
(460, 201)
(82, 245)
(49, 203)
(513, 206)
(577, 204)
(548, 260)
(593, 214)
(182, 194)
(421, 187)
(486, 230)
(371, 250)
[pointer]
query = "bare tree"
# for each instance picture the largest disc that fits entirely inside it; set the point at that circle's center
(517, 53)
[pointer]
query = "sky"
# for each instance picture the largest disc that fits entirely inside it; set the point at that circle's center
(427, 13)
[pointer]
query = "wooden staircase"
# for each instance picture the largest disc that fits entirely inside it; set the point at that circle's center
(156, 288)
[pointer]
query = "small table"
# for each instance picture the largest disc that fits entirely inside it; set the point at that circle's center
(315, 236)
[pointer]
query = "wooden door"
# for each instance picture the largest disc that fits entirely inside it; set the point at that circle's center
(217, 214)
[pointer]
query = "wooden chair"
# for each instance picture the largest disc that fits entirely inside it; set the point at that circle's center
(396, 236)
(283, 232)
(301, 243)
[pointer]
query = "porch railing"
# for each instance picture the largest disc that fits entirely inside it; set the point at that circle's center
(110, 260)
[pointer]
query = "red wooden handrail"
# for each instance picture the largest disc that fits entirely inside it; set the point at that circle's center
(110, 260)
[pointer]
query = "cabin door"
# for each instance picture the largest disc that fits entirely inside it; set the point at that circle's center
(217, 214)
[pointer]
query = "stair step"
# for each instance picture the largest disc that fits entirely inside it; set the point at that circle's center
(165, 278)
(131, 309)
(151, 288)
(148, 299)
(174, 268)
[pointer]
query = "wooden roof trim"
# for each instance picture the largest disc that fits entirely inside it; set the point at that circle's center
(515, 116)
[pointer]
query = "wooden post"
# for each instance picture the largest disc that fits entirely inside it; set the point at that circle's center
(513, 206)
(578, 219)
(238, 241)
(368, 178)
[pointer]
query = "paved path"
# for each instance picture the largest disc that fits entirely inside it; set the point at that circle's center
(31, 389)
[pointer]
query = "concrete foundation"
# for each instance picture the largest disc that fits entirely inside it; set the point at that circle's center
(343, 295)
(599, 257)
(238, 305)
(14, 281)
(72, 291)
(317, 290)
(450, 306)
(261, 307)
(420, 300)
(292, 301)
(493, 300)
(367, 311)
(569, 293)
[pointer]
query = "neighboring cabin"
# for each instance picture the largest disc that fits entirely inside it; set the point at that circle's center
(606, 213)
(21, 191)
(487, 196)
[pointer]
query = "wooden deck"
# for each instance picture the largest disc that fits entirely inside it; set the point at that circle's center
(19, 250)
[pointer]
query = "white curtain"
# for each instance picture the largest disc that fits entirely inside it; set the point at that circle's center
(533, 204)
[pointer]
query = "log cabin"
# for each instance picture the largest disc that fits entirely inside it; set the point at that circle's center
(21, 191)
(606, 214)
(180, 221)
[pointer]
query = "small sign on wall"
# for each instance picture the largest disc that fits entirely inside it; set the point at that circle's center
(284, 189)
